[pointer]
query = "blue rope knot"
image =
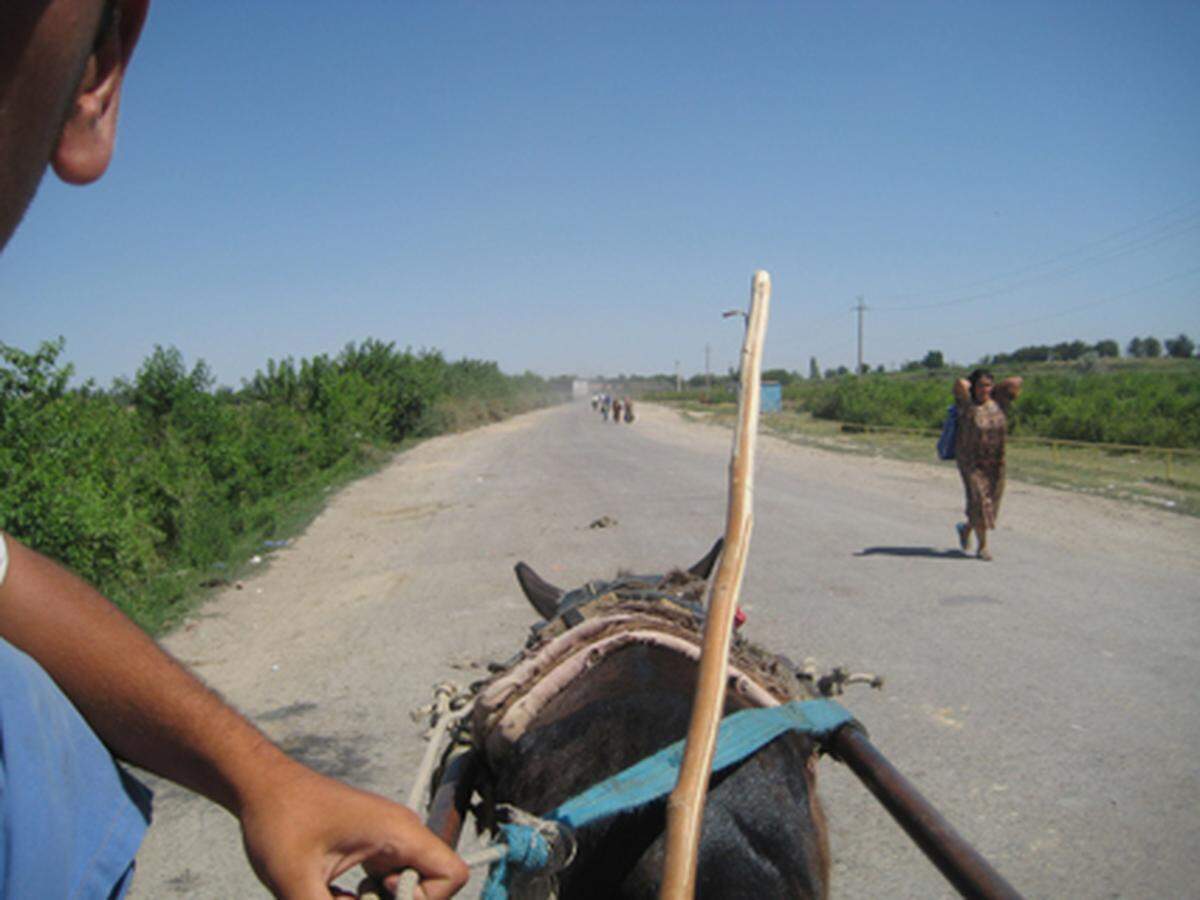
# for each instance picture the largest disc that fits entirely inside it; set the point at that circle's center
(528, 851)
(527, 848)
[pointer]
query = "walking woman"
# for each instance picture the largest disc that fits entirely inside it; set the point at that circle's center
(983, 409)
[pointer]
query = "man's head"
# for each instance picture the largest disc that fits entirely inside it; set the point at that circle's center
(62, 63)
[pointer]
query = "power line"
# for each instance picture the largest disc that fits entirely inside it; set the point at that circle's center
(1155, 236)
(1113, 298)
(1133, 246)
(1074, 309)
(1169, 224)
(1148, 233)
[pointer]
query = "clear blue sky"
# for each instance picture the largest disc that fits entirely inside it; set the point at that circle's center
(583, 188)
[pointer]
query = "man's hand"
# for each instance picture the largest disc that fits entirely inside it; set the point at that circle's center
(303, 830)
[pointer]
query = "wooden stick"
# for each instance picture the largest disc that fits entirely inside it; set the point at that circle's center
(685, 807)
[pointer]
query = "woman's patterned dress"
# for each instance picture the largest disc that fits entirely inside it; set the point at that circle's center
(979, 451)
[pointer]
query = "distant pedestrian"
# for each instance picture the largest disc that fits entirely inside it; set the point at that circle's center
(628, 410)
(617, 410)
(983, 409)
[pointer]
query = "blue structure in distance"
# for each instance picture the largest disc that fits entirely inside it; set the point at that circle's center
(771, 397)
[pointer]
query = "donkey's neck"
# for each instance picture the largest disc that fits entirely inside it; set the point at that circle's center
(628, 707)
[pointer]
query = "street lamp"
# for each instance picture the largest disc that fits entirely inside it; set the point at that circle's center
(730, 313)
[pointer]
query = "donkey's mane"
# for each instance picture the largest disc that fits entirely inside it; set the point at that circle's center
(678, 582)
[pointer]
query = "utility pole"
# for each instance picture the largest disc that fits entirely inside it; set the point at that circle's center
(678, 379)
(708, 366)
(861, 308)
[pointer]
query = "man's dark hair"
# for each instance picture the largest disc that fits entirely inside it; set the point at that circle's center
(108, 18)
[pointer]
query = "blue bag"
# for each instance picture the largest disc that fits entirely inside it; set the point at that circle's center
(945, 444)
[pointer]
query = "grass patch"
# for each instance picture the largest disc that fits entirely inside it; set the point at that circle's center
(1133, 476)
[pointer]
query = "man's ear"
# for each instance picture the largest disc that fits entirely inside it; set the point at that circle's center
(89, 133)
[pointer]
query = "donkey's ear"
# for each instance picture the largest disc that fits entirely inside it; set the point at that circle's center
(541, 594)
(704, 568)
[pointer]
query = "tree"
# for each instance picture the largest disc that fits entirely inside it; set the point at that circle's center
(1145, 348)
(783, 376)
(1035, 353)
(35, 375)
(1180, 347)
(1069, 350)
(162, 383)
(814, 371)
(934, 360)
(1107, 348)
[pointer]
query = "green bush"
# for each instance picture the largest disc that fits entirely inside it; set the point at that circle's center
(1149, 408)
(162, 474)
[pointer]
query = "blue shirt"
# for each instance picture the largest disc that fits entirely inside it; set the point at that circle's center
(72, 819)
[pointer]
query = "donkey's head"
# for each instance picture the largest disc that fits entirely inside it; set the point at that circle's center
(550, 601)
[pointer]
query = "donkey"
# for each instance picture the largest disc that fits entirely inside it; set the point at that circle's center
(764, 832)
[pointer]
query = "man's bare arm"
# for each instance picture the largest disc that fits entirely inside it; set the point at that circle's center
(301, 829)
(962, 390)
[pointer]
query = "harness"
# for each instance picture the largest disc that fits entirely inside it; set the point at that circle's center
(529, 851)
(594, 623)
(530, 843)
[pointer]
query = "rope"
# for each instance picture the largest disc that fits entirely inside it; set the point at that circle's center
(526, 850)
(527, 844)
(443, 718)
(409, 879)
(443, 694)
(530, 846)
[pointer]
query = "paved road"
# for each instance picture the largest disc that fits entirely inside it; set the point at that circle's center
(1046, 702)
